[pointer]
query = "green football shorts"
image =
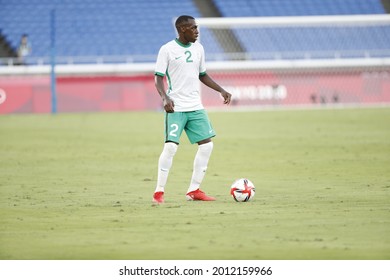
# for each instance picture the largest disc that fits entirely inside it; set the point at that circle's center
(195, 123)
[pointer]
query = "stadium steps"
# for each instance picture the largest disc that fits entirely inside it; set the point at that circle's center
(5, 48)
(209, 9)
(386, 5)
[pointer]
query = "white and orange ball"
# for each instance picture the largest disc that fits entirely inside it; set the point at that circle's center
(242, 190)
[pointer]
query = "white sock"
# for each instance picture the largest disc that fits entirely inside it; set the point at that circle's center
(164, 165)
(200, 165)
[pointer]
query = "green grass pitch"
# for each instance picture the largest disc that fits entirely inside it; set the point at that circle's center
(79, 186)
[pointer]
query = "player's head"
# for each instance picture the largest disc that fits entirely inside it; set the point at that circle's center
(187, 28)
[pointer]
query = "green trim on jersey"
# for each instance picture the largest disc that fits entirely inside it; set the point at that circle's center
(181, 44)
(202, 74)
(169, 82)
(159, 74)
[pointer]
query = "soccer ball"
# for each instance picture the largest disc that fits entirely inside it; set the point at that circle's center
(242, 190)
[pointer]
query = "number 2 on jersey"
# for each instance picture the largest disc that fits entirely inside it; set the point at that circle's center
(188, 54)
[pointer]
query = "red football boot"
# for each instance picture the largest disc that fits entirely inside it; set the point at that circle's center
(158, 197)
(198, 195)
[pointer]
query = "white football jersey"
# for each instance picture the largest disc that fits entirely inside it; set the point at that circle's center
(182, 64)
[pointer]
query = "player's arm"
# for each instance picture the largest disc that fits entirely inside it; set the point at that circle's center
(167, 102)
(208, 81)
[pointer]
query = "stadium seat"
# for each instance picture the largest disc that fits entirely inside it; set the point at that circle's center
(297, 42)
(131, 27)
(93, 27)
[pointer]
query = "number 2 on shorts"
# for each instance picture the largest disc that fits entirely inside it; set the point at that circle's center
(174, 128)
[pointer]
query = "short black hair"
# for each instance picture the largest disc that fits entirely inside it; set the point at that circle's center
(182, 19)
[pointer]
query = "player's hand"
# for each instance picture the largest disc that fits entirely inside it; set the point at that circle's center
(168, 104)
(227, 97)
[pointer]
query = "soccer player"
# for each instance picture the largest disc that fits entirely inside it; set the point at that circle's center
(182, 60)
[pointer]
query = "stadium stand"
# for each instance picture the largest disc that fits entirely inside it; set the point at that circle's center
(297, 43)
(90, 28)
(93, 27)
(263, 8)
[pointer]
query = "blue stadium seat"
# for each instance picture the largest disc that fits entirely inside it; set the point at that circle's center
(94, 27)
(232, 8)
(132, 27)
(299, 42)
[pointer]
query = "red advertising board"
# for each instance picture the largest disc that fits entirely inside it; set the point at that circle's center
(31, 94)
(260, 88)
